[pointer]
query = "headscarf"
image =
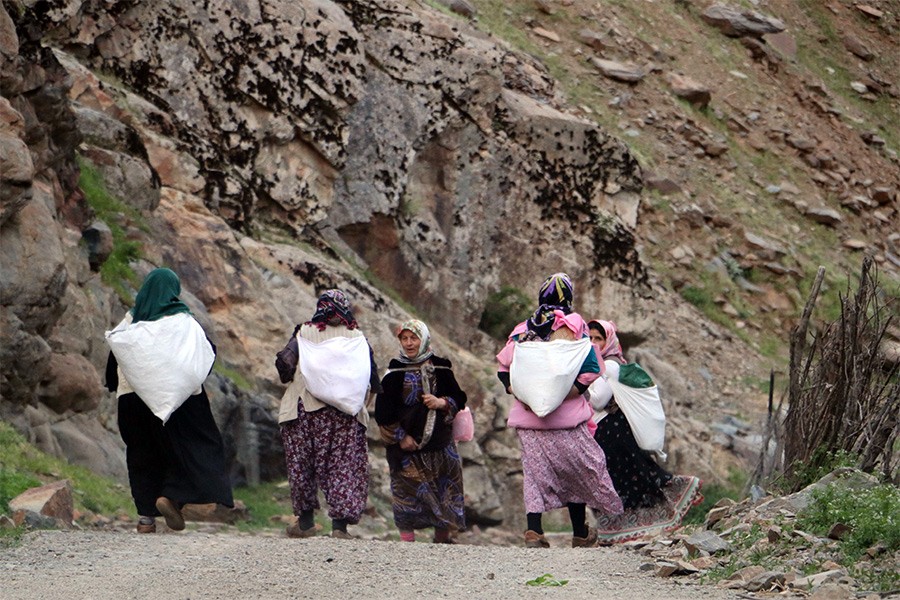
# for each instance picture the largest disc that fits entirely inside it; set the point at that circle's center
(333, 306)
(421, 330)
(556, 293)
(611, 348)
(158, 297)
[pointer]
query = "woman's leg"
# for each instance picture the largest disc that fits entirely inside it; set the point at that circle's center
(577, 516)
(202, 475)
(342, 464)
(145, 454)
(534, 522)
(298, 456)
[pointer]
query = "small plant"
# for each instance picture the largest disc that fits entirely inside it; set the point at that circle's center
(872, 514)
(547, 580)
(504, 310)
(116, 271)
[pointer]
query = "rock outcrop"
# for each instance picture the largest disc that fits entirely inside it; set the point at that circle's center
(386, 138)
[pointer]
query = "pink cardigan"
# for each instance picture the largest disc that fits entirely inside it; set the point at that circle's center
(570, 413)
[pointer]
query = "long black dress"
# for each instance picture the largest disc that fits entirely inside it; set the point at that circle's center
(183, 460)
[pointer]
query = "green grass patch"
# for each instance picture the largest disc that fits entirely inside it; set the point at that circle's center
(23, 466)
(873, 515)
(116, 271)
(234, 375)
(264, 501)
(713, 492)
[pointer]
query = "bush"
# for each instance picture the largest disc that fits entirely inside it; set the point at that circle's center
(504, 310)
(873, 515)
(116, 271)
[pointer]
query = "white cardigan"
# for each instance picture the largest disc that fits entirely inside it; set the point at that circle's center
(297, 388)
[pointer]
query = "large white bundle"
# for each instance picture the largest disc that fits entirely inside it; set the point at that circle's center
(164, 361)
(336, 371)
(542, 373)
(644, 411)
(600, 391)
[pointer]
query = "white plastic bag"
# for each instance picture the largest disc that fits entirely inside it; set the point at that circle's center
(164, 361)
(542, 373)
(643, 409)
(336, 371)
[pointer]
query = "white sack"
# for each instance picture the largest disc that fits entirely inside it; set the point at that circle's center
(542, 373)
(600, 391)
(336, 371)
(164, 361)
(644, 411)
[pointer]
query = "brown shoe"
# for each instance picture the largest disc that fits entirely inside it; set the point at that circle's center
(146, 527)
(533, 539)
(341, 535)
(172, 514)
(294, 531)
(586, 542)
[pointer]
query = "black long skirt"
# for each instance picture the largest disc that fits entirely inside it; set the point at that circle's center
(635, 475)
(183, 460)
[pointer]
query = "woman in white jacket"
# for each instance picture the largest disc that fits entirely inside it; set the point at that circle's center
(324, 446)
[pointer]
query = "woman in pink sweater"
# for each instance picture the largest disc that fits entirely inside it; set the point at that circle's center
(561, 463)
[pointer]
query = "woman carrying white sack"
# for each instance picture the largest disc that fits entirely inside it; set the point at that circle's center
(654, 499)
(561, 463)
(330, 367)
(173, 457)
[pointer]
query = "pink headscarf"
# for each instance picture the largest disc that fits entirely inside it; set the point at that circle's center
(612, 348)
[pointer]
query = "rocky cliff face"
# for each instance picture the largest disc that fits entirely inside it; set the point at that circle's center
(267, 150)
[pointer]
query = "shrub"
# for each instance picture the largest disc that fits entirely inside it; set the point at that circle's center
(504, 310)
(116, 271)
(873, 515)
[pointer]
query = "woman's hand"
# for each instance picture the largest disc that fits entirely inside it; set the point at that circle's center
(409, 444)
(434, 403)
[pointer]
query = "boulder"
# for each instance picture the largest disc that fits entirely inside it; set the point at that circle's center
(706, 541)
(688, 89)
(626, 72)
(46, 506)
(72, 383)
(734, 22)
(824, 215)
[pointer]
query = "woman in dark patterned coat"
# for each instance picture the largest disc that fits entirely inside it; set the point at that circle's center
(415, 413)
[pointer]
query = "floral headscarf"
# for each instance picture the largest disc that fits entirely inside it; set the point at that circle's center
(333, 306)
(158, 297)
(421, 330)
(556, 293)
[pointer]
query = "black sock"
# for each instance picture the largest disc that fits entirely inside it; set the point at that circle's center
(577, 516)
(305, 520)
(534, 522)
(339, 525)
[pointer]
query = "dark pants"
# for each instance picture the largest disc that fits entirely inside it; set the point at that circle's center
(183, 460)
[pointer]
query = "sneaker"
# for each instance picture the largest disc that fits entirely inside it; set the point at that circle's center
(294, 531)
(533, 539)
(586, 542)
(146, 527)
(172, 514)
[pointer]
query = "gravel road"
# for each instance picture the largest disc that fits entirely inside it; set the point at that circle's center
(118, 565)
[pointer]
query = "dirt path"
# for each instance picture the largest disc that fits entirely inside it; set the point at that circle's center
(113, 565)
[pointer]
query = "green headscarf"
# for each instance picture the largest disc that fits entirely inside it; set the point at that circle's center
(158, 297)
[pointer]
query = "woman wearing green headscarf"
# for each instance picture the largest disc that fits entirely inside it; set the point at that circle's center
(179, 461)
